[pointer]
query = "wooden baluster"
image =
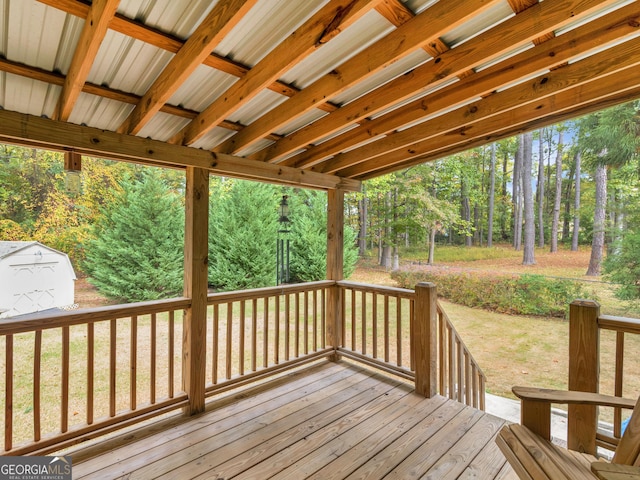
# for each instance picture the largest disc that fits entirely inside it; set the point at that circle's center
(452, 362)
(37, 369)
(229, 350)
(423, 339)
(584, 356)
(386, 327)
(306, 322)
(276, 327)
(363, 326)
(323, 317)
(315, 320)
(91, 353)
(8, 393)
(112, 367)
(215, 338)
(353, 320)
(172, 317)
(297, 326)
(287, 326)
(617, 412)
(442, 352)
(152, 360)
(374, 325)
(241, 335)
(399, 332)
(133, 363)
(254, 335)
(265, 333)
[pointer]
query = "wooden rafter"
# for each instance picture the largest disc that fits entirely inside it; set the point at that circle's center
(576, 101)
(317, 31)
(217, 24)
(603, 73)
(518, 30)
(547, 56)
(435, 20)
(172, 44)
(93, 32)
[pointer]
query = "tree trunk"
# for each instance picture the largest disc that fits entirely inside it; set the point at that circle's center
(477, 232)
(540, 189)
(576, 206)
(557, 197)
(466, 209)
(567, 204)
(517, 206)
(528, 257)
(362, 235)
(597, 245)
(492, 194)
(503, 209)
(432, 244)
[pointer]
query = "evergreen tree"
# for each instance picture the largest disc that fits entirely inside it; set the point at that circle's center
(138, 250)
(308, 214)
(242, 235)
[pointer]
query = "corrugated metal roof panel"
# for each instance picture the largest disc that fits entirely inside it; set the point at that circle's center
(99, 112)
(180, 18)
(213, 137)
(385, 75)
(370, 28)
(203, 86)
(163, 126)
(127, 64)
(261, 104)
(267, 25)
(28, 96)
(489, 18)
(259, 145)
(301, 121)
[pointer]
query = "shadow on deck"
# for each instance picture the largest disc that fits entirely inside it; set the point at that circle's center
(330, 420)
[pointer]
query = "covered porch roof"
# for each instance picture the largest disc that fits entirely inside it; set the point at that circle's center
(322, 94)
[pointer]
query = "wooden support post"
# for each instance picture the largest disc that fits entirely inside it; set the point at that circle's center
(196, 241)
(424, 341)
(584, 366)
(335, 266)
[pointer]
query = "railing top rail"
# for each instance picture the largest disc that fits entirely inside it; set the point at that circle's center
(237, 295)
(619, 324)
(40, 321)
(399, 292)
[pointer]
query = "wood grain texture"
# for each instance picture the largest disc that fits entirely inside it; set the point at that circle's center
(334, 420)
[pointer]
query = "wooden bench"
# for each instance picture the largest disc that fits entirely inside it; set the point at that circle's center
(529, 450)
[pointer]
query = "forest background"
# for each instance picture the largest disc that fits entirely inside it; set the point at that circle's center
(574, 183)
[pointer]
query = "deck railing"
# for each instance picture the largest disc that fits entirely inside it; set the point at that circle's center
(81, 374)
(255, 333)
(377, 327)
(597, 364)
(73, 376)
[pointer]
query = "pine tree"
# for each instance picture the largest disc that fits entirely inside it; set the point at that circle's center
(242, 235)
(308, 215)
(138, 251)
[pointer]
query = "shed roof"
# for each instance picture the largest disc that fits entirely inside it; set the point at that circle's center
(320, 93)
(9, 248)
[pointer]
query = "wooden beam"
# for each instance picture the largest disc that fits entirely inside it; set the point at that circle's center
(21, 128)
(584, 373)
(316, 32)
(418, 138)
(72, 161)
(36, 73)
(93, 32)
(514, 32)
(217, 24)
(424, 332)
(335, 265)
(577, 101)
(165, 41)
(414, 34)
(546, 56)
(196, 261)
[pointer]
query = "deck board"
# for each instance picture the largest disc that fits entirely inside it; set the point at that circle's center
(337, 420)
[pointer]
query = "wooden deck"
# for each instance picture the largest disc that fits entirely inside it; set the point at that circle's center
(333, 420)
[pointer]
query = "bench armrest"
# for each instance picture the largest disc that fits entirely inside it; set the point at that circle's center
(571, 397)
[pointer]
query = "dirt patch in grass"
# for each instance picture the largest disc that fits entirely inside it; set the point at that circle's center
(87, 296)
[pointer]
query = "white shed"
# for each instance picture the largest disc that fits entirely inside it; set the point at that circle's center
(33, 277)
